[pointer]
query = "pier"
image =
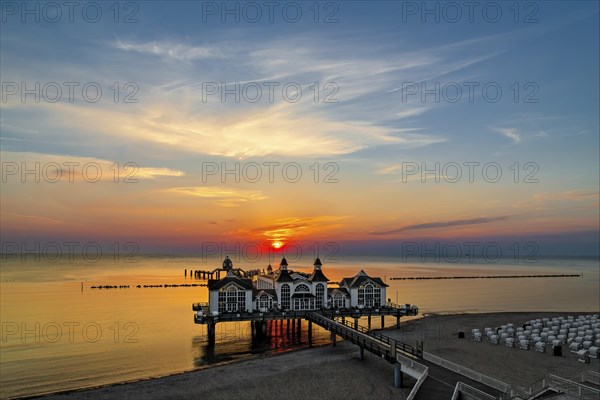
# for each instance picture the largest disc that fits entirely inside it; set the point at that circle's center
(392, 310)
(335, 321)
(216, 273)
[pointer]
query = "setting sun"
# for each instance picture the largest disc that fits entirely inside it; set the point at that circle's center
(277, 245)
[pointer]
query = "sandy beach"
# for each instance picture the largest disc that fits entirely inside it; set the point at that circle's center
(319, 373)
(336, 372)
(510, 365)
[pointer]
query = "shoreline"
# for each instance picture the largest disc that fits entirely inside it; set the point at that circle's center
(408, 331)
(247, 358)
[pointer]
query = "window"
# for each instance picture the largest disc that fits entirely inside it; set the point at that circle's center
(338, 300)
(377, 297)
(320, 293)
(302, 288)
(304, 304)
(285, 296)
(369, 295)
(232, 299)
(264, 302)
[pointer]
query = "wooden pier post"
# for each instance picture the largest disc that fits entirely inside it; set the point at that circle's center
(333, 338)
(185, 273)
(343, 320)
(299, 327)
(398, 322)
(397, 375)
(356, 323)
(382, 321)
(369, 322)
(211, 328)
(310, 333)
(361, 355)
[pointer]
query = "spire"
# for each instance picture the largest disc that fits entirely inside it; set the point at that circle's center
(269, 269)
(317, 264)
(283, 265)
(227, 264)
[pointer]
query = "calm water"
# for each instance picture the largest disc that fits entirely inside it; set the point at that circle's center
(58, 336)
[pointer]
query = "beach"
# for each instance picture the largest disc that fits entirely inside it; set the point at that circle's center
(329, 372)
(319, 373)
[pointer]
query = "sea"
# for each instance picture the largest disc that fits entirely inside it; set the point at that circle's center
(59, 333)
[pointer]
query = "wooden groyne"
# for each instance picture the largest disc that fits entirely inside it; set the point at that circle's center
(166, 285)
(419, 278)
(216, 273)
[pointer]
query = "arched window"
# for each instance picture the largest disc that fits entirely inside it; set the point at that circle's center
(285, 296)
(302, 288)
(320, 294)
(264, 302)
(232, 299)
(338, 301)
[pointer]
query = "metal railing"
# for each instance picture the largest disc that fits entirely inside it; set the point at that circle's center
(418, 367)
(589, 376)
(199, 306)
(376, 343)
(415, 389)
(463, 388)
(400, 346)
(556, 383)
(469, 373)
(279, 314)
(367, 342)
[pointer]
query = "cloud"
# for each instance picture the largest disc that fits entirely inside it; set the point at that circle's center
(446, 224)
(569, 195)
(169, 50)
(225, 196)
(510, 133)
(54, 167)
(294, 227)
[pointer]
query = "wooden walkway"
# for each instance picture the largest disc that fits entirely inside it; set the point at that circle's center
(440, 382)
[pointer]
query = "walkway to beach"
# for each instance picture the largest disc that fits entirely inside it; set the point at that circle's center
(441, 382)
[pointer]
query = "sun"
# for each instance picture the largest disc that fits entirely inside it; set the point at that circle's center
(277, 245)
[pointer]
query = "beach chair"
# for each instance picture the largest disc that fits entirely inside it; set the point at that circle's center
(583, 356)
(575, 347)
(524, 344)
(540, 347)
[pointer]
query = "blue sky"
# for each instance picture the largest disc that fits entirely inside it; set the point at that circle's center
(372, 55)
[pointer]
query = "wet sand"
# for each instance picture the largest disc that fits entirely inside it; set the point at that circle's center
(319, 373)
(337, 373)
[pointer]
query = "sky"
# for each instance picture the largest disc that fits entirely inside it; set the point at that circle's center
(185, 127)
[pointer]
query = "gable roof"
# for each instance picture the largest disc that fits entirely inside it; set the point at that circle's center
(343, 291)
(359, 279)
(268, 292)
(216, 284)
